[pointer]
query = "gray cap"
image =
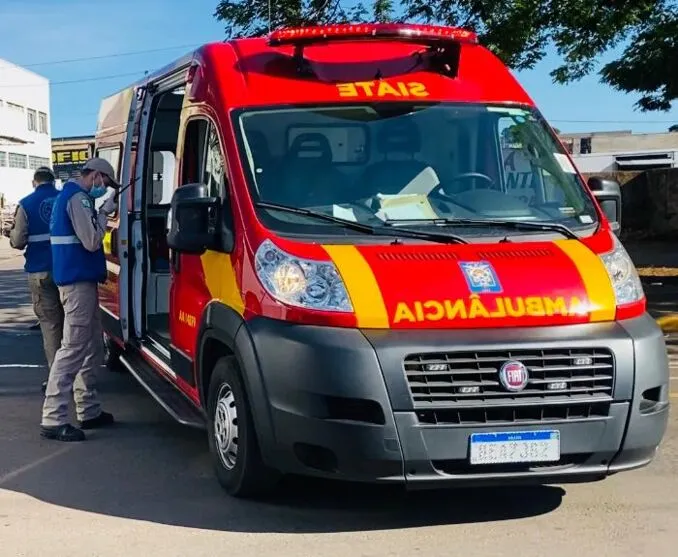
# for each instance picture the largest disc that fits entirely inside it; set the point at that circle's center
(103, 166)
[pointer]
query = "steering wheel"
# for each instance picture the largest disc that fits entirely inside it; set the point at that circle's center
(439, 190)
(473, 175)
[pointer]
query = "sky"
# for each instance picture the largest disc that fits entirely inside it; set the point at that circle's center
(143, 35)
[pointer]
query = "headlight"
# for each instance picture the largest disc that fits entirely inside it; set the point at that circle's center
(301, 282)
(623, 274)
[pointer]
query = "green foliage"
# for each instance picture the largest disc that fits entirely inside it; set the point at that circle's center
(649, 65)
(518, 31)
(251, 18)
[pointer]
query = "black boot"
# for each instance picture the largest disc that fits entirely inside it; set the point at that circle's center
(102, 420)
(64, 432)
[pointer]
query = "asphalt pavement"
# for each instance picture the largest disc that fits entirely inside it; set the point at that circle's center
(145, 487)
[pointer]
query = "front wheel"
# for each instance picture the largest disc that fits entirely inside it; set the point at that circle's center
(232, 437)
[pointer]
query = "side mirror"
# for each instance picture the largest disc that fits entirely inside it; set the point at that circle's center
(195, 219)
(608, 194)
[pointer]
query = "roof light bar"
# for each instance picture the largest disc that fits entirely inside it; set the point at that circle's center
(371, 31)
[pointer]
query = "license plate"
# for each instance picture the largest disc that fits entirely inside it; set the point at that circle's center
(515, 447)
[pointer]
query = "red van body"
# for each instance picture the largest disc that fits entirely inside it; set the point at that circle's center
(359, 252)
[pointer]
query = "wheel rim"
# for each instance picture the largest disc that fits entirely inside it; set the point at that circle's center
(226, 427)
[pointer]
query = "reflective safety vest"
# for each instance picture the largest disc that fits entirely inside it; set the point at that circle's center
(38, 209)
(71, 261)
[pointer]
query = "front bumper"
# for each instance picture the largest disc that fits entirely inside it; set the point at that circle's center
(340, 406)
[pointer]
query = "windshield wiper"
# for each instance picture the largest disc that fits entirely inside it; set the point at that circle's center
(365, 228)
(514, 224)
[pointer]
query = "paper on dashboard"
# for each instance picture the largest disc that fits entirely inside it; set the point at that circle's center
(343, 213)
(396, 207)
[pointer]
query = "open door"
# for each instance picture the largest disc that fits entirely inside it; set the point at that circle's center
(160, 106)
(125, 206)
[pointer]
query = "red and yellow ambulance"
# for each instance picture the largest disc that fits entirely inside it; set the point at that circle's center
(360, 252)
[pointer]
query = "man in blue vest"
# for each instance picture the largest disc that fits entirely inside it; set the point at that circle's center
(31, 231)
(77, 233)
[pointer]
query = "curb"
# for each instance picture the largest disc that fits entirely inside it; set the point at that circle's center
(19, 331)
(668, 323)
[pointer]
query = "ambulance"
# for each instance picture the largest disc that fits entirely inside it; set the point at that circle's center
(360, 252)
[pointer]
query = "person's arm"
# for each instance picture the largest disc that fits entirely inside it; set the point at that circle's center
(90, 228)
(18, 234)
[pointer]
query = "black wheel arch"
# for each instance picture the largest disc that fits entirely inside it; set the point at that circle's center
(223, 331)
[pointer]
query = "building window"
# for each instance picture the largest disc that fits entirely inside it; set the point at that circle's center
(3, 158)
(585, 145)
(36, 162)
(17, 161)
(15, 107)
(32, 120)
(42, 122)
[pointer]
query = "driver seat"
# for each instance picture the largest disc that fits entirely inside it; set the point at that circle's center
(309, 177)
(390, 176)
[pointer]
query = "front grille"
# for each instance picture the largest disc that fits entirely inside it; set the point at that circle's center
(510, 413)
(471, 379)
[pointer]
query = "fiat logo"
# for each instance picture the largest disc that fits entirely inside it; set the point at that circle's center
(513, 376)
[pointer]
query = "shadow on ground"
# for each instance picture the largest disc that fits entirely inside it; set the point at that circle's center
(15, 300)
(149, 468)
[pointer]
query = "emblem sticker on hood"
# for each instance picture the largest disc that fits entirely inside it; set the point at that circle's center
(480, 277)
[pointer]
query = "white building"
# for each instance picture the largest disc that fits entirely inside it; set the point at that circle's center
(25, 142)
(622, 150)
(626, 160)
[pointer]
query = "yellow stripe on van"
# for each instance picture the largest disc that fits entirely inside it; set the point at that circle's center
(603, 305)
(362, 287)
(106, 243)
(221, 281)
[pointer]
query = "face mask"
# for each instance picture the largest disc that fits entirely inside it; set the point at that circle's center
(97, 191)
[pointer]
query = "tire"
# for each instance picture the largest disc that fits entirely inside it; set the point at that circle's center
(112, 354)
(236, 456)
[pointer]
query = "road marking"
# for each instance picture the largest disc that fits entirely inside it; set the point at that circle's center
(11, 475)
(21, 365)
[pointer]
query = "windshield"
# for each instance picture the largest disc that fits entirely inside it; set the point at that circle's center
(409, 164)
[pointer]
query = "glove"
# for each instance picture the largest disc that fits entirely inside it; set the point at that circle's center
(109, 206)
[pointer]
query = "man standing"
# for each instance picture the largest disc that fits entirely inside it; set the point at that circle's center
(31, 231)
(77, 232)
